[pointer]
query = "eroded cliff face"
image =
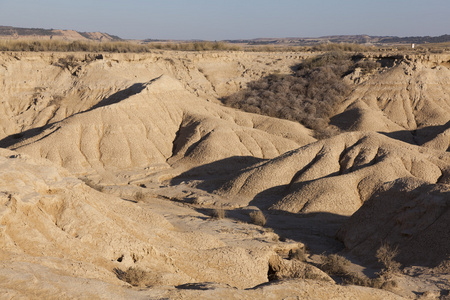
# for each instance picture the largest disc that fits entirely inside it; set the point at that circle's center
(148, 132)
(411, 93)
(42, 88)
(405, 93)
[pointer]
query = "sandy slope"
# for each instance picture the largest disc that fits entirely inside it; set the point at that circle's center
(412, 214)
(43, 88)
(53, 220)
(150, 130)
(408, 99)
(61, 239)
(160, 125)
(336, 175)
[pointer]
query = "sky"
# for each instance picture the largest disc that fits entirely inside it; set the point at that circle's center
(232, 19)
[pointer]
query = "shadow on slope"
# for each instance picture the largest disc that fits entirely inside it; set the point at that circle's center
(419, 136)
(409, 213)
(316, 230)
(213, 175)
(122, 95)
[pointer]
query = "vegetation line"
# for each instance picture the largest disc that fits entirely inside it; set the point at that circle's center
(131, 47)
(310, 95)
(115, 47)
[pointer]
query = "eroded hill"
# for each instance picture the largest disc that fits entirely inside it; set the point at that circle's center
(158, 154)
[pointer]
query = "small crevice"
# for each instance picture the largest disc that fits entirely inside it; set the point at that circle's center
(440, 177)
(341, 158)
(304, 169)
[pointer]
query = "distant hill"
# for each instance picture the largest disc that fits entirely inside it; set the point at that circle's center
(9, 32)
(358, 39)
(417, 39)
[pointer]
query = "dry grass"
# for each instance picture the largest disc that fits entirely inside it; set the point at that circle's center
(336, 265)
(132, 47)
(218, 213)
(385, 255)
(258, 218)
(135, 276)
(139, 196)
(298, 254)
(116, 47)
(92, 184)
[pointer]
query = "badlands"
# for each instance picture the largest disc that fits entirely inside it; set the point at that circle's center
(124, 176)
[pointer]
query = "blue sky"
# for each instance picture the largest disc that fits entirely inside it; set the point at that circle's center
(232, 19)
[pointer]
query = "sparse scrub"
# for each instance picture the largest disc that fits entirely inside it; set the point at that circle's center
(92, 184)
(298, 254)
(139, 196)
(310, 96)
(350, 47)
(281, 269)
(334, 264)
(367, 66)
(385, 255)
(115, 46)
(135, 276)
(69, 62)
(258, 218)
(218, 213)
(357, 279)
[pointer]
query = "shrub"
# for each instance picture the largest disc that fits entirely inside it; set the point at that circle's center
(139, 196)
(113, 46)
(309, 96)
(92, 184)
(385, 255)
(258, 218)
(334, 264)
(298, 254)
(367, 66)
(135, 276)
(357, 279)
(218, 213)
(69, 62)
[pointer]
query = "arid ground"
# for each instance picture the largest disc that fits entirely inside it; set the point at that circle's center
(124, 176)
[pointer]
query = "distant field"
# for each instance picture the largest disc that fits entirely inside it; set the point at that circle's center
(135, 47)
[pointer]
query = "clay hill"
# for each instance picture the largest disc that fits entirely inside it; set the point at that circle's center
(17, 33)
(124, 176)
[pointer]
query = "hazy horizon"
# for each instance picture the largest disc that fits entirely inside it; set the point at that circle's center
(232, 19)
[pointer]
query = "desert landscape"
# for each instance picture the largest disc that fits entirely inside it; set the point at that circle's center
(225, 175)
